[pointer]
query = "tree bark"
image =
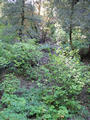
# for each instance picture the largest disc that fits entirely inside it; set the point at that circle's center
(71, 20)
(71, 25)
(22, 20)
(39, 8)
(70, 36)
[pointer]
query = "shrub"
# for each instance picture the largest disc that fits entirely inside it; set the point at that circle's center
(20, 57)
(5, 34)
(66, 82)
(10, 84)
(8, 114)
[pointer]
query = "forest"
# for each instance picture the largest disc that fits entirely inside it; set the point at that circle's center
(44, 59)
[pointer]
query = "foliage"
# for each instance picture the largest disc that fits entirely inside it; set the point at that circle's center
(80, 39)
(10, 84)
(53, 89)
(46, 48)
(8, 114)
(71, 14)
(20, 57)
(14, 104)
(60, 35)
(15, 107)
(67, 80)
(4, 36)
(21, 18)
(55, 98)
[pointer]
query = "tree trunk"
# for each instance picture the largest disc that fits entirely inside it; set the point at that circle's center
(70, 36)
(22, 20)
(71, 25)
(39, 8)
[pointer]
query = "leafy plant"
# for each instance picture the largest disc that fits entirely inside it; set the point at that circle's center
(10, 84)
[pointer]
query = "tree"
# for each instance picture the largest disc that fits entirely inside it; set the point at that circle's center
(19, 14)
(71, 13)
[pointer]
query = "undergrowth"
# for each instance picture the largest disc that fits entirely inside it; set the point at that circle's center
(58, 84)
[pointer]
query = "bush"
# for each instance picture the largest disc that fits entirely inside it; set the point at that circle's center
(66, 82)
(80, 39)
(15, 107)
(60, 35)
(10, 115)
(12, 107)
(20, 57)
(5, 34)
(10, 84)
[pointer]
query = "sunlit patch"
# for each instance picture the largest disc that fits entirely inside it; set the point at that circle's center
(12, 1)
